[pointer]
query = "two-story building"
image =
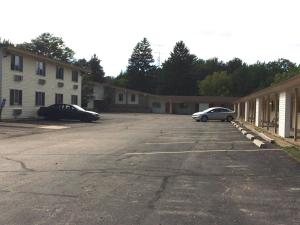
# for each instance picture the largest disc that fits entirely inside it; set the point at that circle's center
(29, 81)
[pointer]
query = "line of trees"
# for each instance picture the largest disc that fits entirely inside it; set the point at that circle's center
(181, 74)
(185, 74)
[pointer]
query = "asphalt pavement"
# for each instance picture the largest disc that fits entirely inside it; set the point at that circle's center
(144, 169)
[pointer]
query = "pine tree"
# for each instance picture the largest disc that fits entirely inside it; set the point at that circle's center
(179, 72)
(140, 68)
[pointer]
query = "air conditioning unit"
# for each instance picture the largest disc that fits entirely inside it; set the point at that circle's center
(18, 78)
(17, 112)
(75, 87)
(41, 81)
(60, 84)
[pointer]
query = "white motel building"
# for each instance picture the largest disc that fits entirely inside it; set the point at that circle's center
(29, 81)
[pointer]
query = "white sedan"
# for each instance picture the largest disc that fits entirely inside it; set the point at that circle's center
(214, 113)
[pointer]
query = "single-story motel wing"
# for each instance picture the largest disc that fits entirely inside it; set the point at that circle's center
(107, 97)
(275, 108)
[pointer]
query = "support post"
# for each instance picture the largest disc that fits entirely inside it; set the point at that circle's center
(276, 114)
(263, 112)
(295, 113)
(268, 115)
(284, 114)
(246, 111)
(258, 111)
(253, 111)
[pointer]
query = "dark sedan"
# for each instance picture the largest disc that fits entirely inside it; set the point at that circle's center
(65, 111)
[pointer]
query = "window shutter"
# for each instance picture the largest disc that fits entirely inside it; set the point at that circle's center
(11, 97)
(20, 96)
(21, 63)
(43, 98)
(44, 68)
(12, 62)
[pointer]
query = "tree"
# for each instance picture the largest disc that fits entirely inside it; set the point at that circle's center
(234, 65)
(97, 72)
(216, 84)
(5, 42)
(179, 72)
(140, 67)
(121, 80)
(96, 75)
(50, 46)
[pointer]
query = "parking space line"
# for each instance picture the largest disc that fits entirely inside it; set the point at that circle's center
(207, 141)
(53, 127)
(170, 143)
(201, 151)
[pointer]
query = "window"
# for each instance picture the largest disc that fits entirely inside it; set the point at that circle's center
(39, 98)
(59, 98)
(223, 110)
(183, 105)
(75, 76)
(16, 63)
(74, 99)
(40, 68)
(15, 97)
(120, 97)
(132, 97)
(156, 105)
(59, 73)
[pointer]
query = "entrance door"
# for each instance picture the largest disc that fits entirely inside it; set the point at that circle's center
(167, 107)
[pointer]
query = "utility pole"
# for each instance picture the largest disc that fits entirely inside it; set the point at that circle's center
(158, 52)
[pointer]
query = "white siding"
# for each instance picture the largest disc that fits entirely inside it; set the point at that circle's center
(284, 114)
(117, 100)
(129, 95)
(98, 91)
(30, 85)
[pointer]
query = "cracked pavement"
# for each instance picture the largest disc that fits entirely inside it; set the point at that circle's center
(145, 169)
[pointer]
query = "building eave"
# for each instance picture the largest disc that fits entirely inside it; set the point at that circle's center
(282, 86)
(14, 50)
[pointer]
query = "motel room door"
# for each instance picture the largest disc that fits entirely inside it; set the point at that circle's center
(167, 107)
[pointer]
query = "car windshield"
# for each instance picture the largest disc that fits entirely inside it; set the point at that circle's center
(78, 107)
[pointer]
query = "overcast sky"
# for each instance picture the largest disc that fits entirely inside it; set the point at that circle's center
(249, 29)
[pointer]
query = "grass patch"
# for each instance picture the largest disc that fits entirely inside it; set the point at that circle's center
(293, 151)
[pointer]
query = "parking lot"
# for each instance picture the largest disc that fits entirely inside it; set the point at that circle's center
(150, 169)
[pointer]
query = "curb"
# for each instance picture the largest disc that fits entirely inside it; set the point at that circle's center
(251, 137)
(244, 132)
(259, 143)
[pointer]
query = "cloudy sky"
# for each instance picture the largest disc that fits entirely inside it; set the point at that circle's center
(249, 29)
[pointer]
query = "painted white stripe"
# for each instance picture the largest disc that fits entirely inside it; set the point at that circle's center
(206, 141)
(207, 132)
(200, 151)
(53, 127)
(169, 143)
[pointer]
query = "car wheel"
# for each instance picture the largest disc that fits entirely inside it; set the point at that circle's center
(204, 118)
(229, 118)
